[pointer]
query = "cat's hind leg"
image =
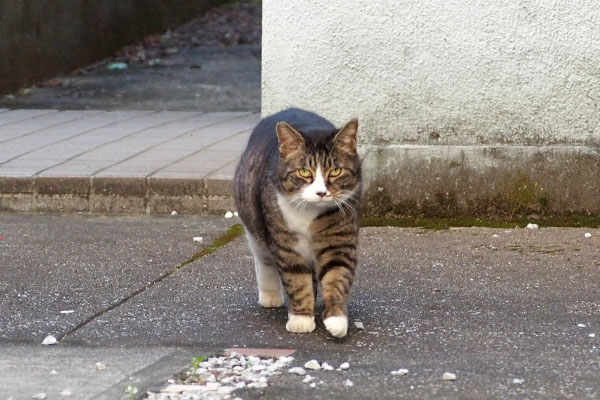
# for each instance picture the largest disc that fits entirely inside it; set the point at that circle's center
(270, 291)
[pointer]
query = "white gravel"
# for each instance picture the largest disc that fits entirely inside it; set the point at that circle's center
(532, 226)
(312, 364)
(327, 367)
(228, 214)
(401, 371)
(344, 366)
(49, 340)
(298, 371)
(588, 235)
(348, 383)
(449, 376)
(216, 377)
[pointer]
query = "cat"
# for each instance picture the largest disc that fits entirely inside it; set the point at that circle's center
(297, 189)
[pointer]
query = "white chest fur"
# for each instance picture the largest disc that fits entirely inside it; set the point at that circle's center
(298, 220)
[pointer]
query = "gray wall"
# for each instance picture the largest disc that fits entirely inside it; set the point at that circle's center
(460, 102)
(41, 38)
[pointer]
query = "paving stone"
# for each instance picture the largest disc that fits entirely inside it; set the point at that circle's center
(52, 156)
(22, 122)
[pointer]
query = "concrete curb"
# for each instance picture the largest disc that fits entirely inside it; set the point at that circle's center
(116, 195)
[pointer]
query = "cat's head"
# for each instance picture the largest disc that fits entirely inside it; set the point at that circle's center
(321, 170)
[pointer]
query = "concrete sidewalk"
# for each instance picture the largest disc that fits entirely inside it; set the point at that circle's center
(514, 313)
(120, 161)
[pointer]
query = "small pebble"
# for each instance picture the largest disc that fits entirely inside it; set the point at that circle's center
(401, 371)
(533, 226)
(66, 392)
(100, 366)
(307, 379)
(67, 311)
(313, 385)
(235, 213)
(327, 367)
(348, 383)
(588, 235)
(173, 212)
(258, 385)
(49, 340)
(495, 235)
(53, 372)
(581, 325)
(359, 325)
(39, 396)
(228, 214)
(518, 381)
(592, 335)
(298, 371)
(449, 376)
(198, 239)
(345, 365)
(313, 364)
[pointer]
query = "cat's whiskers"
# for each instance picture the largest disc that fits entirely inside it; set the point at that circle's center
(341, 208)
(299, 203)
(344, 201)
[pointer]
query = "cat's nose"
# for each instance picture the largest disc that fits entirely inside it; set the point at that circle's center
(321, 194)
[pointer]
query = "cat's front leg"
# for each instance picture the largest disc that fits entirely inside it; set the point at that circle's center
(298, 283)
(336, 266)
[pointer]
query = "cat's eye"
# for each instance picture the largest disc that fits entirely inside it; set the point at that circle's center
(303, 172)
(335, 172)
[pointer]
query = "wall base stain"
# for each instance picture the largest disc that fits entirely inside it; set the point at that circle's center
(475, 181)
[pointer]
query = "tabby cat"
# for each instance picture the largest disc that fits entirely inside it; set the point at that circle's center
(297, 189)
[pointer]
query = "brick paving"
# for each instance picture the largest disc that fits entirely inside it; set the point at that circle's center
(120, 161)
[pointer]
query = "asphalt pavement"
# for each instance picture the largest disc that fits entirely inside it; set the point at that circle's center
(514, 313)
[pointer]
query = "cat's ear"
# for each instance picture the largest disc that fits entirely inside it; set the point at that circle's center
(345, 139)
(290, 141)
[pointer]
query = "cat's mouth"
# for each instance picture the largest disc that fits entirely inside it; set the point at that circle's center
(321, 200)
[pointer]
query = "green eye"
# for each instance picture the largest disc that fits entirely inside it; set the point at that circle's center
(335, 172)
(304, 173)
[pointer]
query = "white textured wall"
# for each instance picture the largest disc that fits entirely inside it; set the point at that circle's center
(444, 72)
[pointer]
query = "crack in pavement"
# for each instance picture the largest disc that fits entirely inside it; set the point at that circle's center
(234, 232)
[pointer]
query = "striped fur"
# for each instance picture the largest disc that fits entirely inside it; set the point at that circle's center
(297, 190)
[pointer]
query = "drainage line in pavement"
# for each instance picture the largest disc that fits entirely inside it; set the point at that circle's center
(233, 232)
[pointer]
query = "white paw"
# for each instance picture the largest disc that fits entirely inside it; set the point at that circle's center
(270, 299)
(337, 326)
(300, 323)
